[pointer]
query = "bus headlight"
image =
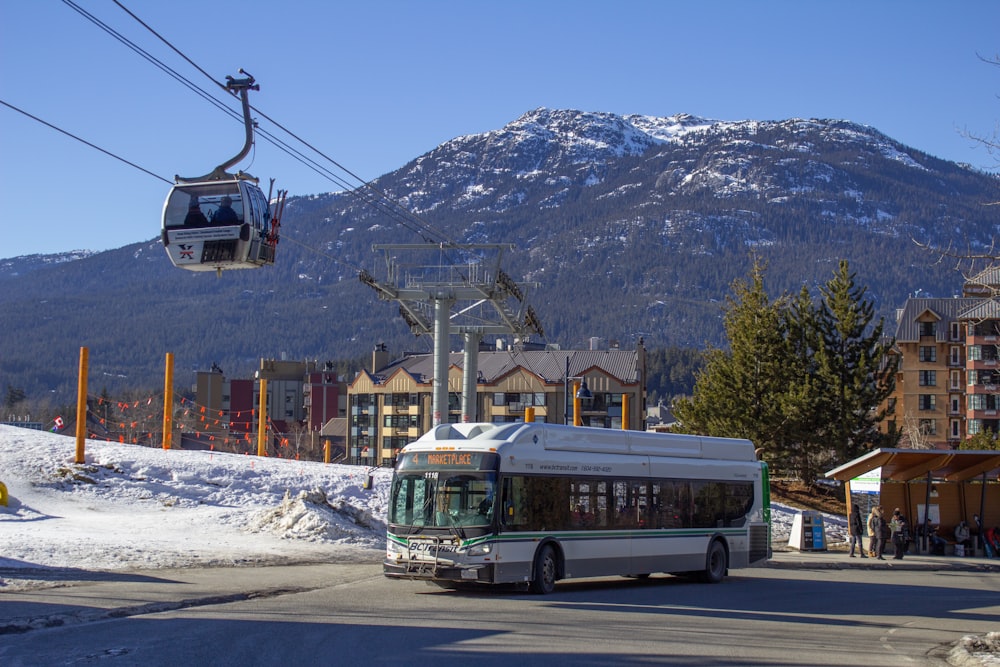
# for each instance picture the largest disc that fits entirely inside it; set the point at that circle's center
(480, 549)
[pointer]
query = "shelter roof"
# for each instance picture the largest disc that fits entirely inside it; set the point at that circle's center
(903, 465)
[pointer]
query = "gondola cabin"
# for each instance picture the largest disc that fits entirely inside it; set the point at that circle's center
(218, 225)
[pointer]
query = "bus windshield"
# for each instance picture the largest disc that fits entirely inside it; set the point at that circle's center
(442, 499)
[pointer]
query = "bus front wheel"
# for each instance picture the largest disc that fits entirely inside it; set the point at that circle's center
(716, 563)
(543, 581)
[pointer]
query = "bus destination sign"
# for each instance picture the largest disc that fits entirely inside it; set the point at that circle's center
(448, 461)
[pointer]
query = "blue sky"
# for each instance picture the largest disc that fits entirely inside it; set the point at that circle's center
(375, 84)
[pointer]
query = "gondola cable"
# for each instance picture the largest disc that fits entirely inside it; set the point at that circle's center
(366, 193)
(364, 184)
(89, 144)
(84, 141)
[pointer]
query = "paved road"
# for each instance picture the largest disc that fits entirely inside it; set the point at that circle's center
(804, 611)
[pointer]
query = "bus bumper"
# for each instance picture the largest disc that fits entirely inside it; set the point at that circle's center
(483, 573)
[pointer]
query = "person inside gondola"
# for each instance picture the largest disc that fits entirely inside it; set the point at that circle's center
(195, 218)
(225, 213)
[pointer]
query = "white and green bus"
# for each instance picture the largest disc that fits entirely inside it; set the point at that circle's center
(534, 503)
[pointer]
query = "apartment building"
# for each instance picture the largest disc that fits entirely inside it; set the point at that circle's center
(948, 384)
(390, 404)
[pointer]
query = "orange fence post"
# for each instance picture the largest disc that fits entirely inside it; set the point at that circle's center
(262, 424)
(81, 408)
(577, 419)
(168, 401)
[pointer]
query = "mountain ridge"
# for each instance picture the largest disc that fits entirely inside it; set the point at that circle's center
(634, 226)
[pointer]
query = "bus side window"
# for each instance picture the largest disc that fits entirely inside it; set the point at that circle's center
(513, 501)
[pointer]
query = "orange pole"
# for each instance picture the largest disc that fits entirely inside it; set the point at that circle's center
(529, 414)
(326, 451)
(577, 419)
(624, 412)
(262, 423)
(168, 401)
(81, 408)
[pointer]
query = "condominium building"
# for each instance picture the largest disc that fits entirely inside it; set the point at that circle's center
(948, 383)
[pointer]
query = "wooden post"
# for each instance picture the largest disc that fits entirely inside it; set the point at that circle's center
(262, 419)
(168, 401)
(81, 408)
(577, 419)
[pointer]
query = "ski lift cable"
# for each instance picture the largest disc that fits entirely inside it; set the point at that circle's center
(364, 184)
(85, 142)
(368, 194)
(89, 144)
(295, 154)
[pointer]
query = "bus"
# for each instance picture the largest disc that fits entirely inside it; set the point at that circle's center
(532, 503)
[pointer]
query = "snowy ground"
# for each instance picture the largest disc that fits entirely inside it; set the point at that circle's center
(131, 507)
(137, 508)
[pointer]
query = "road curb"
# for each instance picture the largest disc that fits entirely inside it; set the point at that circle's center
(808, 562)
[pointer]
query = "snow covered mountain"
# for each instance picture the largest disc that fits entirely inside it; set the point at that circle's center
(632, 225)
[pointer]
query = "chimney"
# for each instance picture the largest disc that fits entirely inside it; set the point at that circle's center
(380, 358)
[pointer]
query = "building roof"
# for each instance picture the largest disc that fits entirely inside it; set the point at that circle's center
(945, 312)
(984, 309)
(985, 282)
(903, 465)
(550, 365)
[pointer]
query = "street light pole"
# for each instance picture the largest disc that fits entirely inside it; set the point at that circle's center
(580, 392)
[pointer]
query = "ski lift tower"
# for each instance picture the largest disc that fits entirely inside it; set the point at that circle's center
(433, 282)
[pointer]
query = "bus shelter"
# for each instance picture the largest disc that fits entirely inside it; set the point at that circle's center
(943, 486)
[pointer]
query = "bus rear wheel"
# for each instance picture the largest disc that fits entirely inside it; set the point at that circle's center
(543, 581)
(716, 563)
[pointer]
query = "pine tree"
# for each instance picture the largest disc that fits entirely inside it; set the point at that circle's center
(737, 392)
(801, 401)
(856, 373)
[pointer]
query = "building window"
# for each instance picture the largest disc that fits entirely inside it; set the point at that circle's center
(956, 428)
(928, 353)
(518, 401)
(975, 352)
(987, 328)
(955, 331)
(928, 427)
(401, 421)
(890, 408)
(955, 380)
(928, 378)
(955, 355)
(928, 328)
(975, 426)
(956, 402)
(927, 401)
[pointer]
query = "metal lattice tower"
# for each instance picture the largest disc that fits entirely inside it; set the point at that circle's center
(428, 284)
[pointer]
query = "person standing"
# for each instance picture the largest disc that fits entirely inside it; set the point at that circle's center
(876, 524)
(856, 530)
(899, 534)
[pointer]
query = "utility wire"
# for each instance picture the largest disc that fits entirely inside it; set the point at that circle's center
(85, 142)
